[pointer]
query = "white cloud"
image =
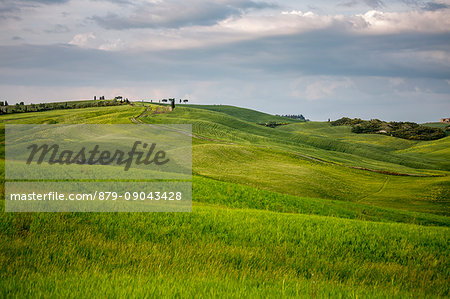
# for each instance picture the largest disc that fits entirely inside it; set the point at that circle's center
(371, 22)
(280, 24)
(396, 81)
(324, 88)
(316, 88)
(90, 40)
(159, 25)
(116, 44)
(299, 13)
(396, 22)
(83, 39)
(296, 22)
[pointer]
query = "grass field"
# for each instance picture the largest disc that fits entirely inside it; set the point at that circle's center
(301, 210)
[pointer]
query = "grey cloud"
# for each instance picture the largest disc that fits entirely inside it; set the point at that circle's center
(14, 4)
(370, 3)
(44, 1)
(10, 9)
(350, 55)
(413, 3)
(433, 6)
(176, 14)
(58, 28)
(295, 55)
(374, 3)
(70, 65)
(426, 5)
(119, 2)
(6, 6)
(249, 4)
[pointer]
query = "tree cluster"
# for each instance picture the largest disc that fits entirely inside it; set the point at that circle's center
(294, 116)
(405, 130)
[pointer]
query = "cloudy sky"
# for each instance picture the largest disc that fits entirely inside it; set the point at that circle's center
(323, 59)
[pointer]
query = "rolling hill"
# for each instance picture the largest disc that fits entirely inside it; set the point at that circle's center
(303, 209)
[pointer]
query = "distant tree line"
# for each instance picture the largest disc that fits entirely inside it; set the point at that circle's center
(174, 100)
(405, 130)
(21, 107)
(294, 116)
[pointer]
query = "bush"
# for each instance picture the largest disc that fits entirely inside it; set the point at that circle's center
(272, 124)
(345, 121)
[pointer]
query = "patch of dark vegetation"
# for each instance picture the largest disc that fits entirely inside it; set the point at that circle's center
(441, 125)
(294, 116)
(21, 107)
(272, 124)
(22, 224)
(405, 130)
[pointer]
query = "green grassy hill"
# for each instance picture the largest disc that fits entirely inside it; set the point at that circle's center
(304, 209)
(244, 114)
(311, 138)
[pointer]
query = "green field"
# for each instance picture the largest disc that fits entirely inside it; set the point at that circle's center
(300, 210)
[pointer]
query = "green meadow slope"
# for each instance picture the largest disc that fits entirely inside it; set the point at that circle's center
(304, 209)
(316, 160)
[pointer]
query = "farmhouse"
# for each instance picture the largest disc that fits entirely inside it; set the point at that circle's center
(445, 120)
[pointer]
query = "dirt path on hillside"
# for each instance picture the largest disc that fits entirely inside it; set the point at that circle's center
(383, 186)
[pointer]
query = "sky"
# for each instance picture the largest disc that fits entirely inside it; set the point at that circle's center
(324, 59)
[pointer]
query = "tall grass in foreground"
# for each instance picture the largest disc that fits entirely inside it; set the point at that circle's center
(214, 192)
(219, 251)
